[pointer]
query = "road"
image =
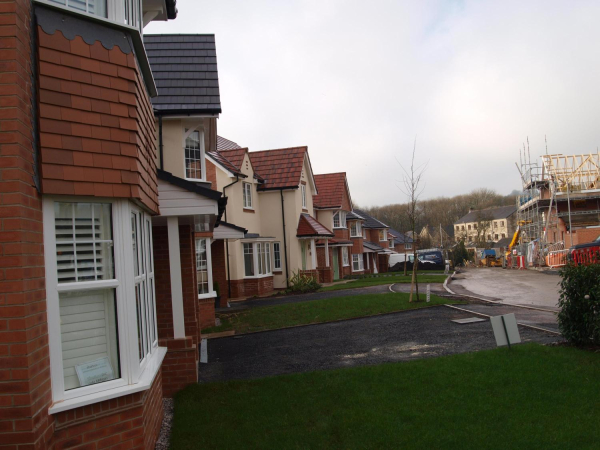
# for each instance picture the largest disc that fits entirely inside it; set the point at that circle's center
(511, 287)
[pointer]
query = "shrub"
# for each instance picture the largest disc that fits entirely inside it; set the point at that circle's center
(301, 283)
(579, 303)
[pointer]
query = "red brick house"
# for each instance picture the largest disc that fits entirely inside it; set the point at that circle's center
(84, 352)
(378, 244)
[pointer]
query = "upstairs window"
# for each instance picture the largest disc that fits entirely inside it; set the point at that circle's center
(247, 195)
(382, 235)
(408, 246)
(194, 156)
(339, 219)
(303, 193)
(123, 12)
(355, 229)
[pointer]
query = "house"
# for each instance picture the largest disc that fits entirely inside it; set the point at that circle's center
(81, 356)
(333, 208)
(376, 241)
(486, 225)
(403, 243)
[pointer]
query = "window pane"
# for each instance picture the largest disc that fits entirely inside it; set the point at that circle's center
(202, 267)
(96, 7)
(90, 345)
(134, 239)
(268, 256)
(84, 246)
(193, 156)
(277, 255)
(248, 260)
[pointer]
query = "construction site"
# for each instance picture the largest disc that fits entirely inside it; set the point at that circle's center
(559, 208)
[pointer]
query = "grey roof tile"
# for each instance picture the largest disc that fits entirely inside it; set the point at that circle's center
(185, 70)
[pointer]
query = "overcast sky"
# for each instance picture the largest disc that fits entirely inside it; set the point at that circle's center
(356, 81)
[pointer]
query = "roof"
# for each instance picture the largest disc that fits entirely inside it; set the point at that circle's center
(370, 222)
(373, 246)
(501, 212)
(226, 144)
(280, 168)
(334, 242)
(309, 226)
(332, 191)
(399, 238)
(184, 67)
(235, 227)
(504, 242)
(226, 163)
(353, 216)
(235, 156)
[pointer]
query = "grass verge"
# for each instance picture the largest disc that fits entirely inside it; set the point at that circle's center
(367, 282)
(317, 311)
(529, 397)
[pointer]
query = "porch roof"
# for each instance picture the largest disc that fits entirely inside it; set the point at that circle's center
(308, 226)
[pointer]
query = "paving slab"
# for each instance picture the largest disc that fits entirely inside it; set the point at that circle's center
(403, 336)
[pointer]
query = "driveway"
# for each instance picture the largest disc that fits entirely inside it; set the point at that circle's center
(403, 336)
(512, 287)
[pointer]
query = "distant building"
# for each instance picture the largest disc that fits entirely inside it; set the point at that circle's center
(486, 225)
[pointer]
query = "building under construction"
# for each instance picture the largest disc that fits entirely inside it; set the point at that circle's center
(559, 206)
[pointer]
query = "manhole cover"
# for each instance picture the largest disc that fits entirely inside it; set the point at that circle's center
(469, 320)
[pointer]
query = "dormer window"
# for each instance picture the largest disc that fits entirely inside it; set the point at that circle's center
(247, 195)
(339, 219)
(194, 156)
(122, 12)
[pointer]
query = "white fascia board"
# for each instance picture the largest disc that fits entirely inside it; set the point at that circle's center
(225, 232)
(217, 164)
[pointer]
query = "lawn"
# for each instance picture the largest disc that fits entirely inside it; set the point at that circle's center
(366, 282)
(317, 311)
(529, 397)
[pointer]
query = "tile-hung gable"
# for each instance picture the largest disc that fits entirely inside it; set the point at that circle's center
(185, 73)
(331, 188)
(280, 168)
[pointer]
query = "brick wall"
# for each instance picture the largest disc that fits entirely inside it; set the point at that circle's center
(251, 287)
(211, 174)
(162, 276)
(382, 263)
(342, 233)
(585, 235)
(96, 122)
(180, 366)
(131, 421)
(357, 245)
(219, 269)
(24, 359)
(325, 273)
(187, 248)
(311, 273)
(206, 312)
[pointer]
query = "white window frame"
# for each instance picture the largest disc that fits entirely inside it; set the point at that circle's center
(408, 246)
(186, 134)
(276, 251)
(341, 219)
(303, 195)
(357, 230)
(345, 258)
(115, 11)
(136, 375)
(259, 248)
(247, 195)
(359, 261)
(211, 292)
(384, 235)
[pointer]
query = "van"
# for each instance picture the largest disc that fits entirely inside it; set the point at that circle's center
(431, 260)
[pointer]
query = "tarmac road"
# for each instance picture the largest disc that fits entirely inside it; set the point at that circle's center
(512, 287)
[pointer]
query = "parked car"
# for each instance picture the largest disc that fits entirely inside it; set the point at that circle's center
(431, 260)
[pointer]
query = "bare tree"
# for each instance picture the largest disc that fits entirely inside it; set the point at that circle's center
(411, 187)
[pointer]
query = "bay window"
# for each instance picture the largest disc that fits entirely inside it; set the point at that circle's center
(355, 229)
(357, 262)
(257, 259)
(99, 285)
(345, 260)
(123, 12)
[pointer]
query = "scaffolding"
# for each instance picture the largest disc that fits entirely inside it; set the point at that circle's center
(558, 178)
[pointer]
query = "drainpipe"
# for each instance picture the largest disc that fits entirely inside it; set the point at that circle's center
(237, 178)
(287, 275)
(160, 142)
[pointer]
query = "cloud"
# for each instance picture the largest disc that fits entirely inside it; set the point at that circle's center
(357, 81)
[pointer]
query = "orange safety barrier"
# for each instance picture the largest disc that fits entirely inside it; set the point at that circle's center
(557, 258)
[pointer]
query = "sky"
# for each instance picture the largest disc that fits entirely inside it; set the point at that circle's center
(360, 82)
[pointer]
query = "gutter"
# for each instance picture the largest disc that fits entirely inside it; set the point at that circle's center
(237, 179)
(287, 274)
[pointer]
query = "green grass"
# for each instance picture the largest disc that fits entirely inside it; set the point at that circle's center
(531, 397)
(317, 311)
(367, 282)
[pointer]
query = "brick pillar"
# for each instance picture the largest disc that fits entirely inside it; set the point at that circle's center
(24, 358)
(219, 269)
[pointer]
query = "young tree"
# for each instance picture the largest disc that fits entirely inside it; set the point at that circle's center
(411, 187)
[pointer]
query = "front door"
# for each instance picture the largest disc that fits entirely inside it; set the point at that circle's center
(336, 266)
(303, 251)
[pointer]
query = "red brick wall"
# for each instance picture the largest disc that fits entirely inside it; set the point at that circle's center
(24, 360)
(211, 174)
(251, 287)
(342, 233)
(180, 366)
(96, 122)
(162, 276)
(357, 245)
(206, 312)
(382, 263)
(187, 248)
(132, 421)
(219, 269)
(585, 235)
(311, 273)
(373, 236)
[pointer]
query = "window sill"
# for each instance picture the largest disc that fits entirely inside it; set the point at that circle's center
(357, 237)
(249, 210)
(277, 272)
(253, 277)
(211, 294)
(146, 380)
(340, 228)
(197, 180)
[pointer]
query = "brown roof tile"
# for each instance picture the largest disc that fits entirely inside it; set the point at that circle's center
(332, 192)
(219, 157)
(235, 156)
(279, 168)
(309, 226)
